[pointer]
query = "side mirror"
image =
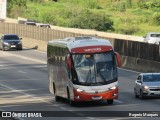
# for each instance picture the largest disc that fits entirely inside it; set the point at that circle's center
(69, 62)
(138, 81)
(118, 59)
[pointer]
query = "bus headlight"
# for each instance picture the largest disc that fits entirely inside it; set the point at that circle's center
(113, 88)
(79, 90)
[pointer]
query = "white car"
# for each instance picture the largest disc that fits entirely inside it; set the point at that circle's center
(152, 37)
(147, 85)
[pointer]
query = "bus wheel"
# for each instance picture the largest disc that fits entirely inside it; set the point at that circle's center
(110, 102)
(54, 90)
(57, 98)
(72, 103)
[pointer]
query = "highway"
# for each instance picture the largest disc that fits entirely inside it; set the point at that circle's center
(24, 87)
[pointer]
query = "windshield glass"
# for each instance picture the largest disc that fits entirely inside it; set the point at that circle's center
(95, 69)
(11, 37)
(151, 78)
(155, 35)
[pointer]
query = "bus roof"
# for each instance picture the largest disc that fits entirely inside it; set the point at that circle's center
(77, 42)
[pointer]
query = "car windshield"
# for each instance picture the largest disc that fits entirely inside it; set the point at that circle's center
(151, 78)
(155, 35)
(95, 69)
(11, 37)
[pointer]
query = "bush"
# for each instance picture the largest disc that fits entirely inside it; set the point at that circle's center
(155, 20)
(90, 20)
(49, 18)
(131, 30)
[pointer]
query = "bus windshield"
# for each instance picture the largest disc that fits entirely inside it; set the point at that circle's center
(95, 69)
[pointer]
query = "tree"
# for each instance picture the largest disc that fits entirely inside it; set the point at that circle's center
(90, 20)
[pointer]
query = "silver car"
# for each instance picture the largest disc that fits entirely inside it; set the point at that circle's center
(152, 37)
(147, 84)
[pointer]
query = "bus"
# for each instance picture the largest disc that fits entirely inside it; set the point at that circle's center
(83, 69)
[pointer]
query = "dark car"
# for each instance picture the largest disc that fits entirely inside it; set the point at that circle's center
(10, 41)
(147, 85)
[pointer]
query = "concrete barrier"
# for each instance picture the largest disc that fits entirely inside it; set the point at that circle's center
(140, 65)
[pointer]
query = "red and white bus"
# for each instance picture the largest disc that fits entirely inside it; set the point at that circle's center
(83, 69)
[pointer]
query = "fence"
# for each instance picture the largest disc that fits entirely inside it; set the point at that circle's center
(138, 49)
(33, 32)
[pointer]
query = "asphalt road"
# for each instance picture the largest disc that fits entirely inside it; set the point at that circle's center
(24, 87)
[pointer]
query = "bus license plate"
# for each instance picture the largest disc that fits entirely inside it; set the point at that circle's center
(96, 97)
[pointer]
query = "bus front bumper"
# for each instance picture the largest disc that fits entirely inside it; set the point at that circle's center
(84, 96)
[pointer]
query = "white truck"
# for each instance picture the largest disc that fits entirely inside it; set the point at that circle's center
(3, 9)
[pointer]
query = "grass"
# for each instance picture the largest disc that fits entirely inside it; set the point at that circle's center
(60, 13)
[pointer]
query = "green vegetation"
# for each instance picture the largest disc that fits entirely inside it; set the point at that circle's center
(134, 17)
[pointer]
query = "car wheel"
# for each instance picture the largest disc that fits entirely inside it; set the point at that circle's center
(3, 48)
(20, 49)
(110, 102)
(135, 94)
(141, 94)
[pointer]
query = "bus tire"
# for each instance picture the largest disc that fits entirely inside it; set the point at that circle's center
(55, 95)
(110, 102)
(72, 103)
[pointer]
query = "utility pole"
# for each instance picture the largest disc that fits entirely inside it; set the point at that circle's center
(3, 9)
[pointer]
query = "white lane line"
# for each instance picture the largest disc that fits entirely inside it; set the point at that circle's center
(13, 91)
(91, 118)
(118, 101)
(128, 118)
(10, 67)
(63, 108)
(46, 100)
(124, 105)
(22, 72)
(26, 58)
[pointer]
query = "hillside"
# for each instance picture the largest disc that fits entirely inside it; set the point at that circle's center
(134, 17)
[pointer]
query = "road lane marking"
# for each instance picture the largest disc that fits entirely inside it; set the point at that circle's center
(21, 90)
(23, 98)
(63, 108)
(118, 101)
(34, 66)
(26, 58)
(22, 72)
(117, 118)
(91, 118)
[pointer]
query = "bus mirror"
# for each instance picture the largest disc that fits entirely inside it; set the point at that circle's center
(69, 62)
(118, 59)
